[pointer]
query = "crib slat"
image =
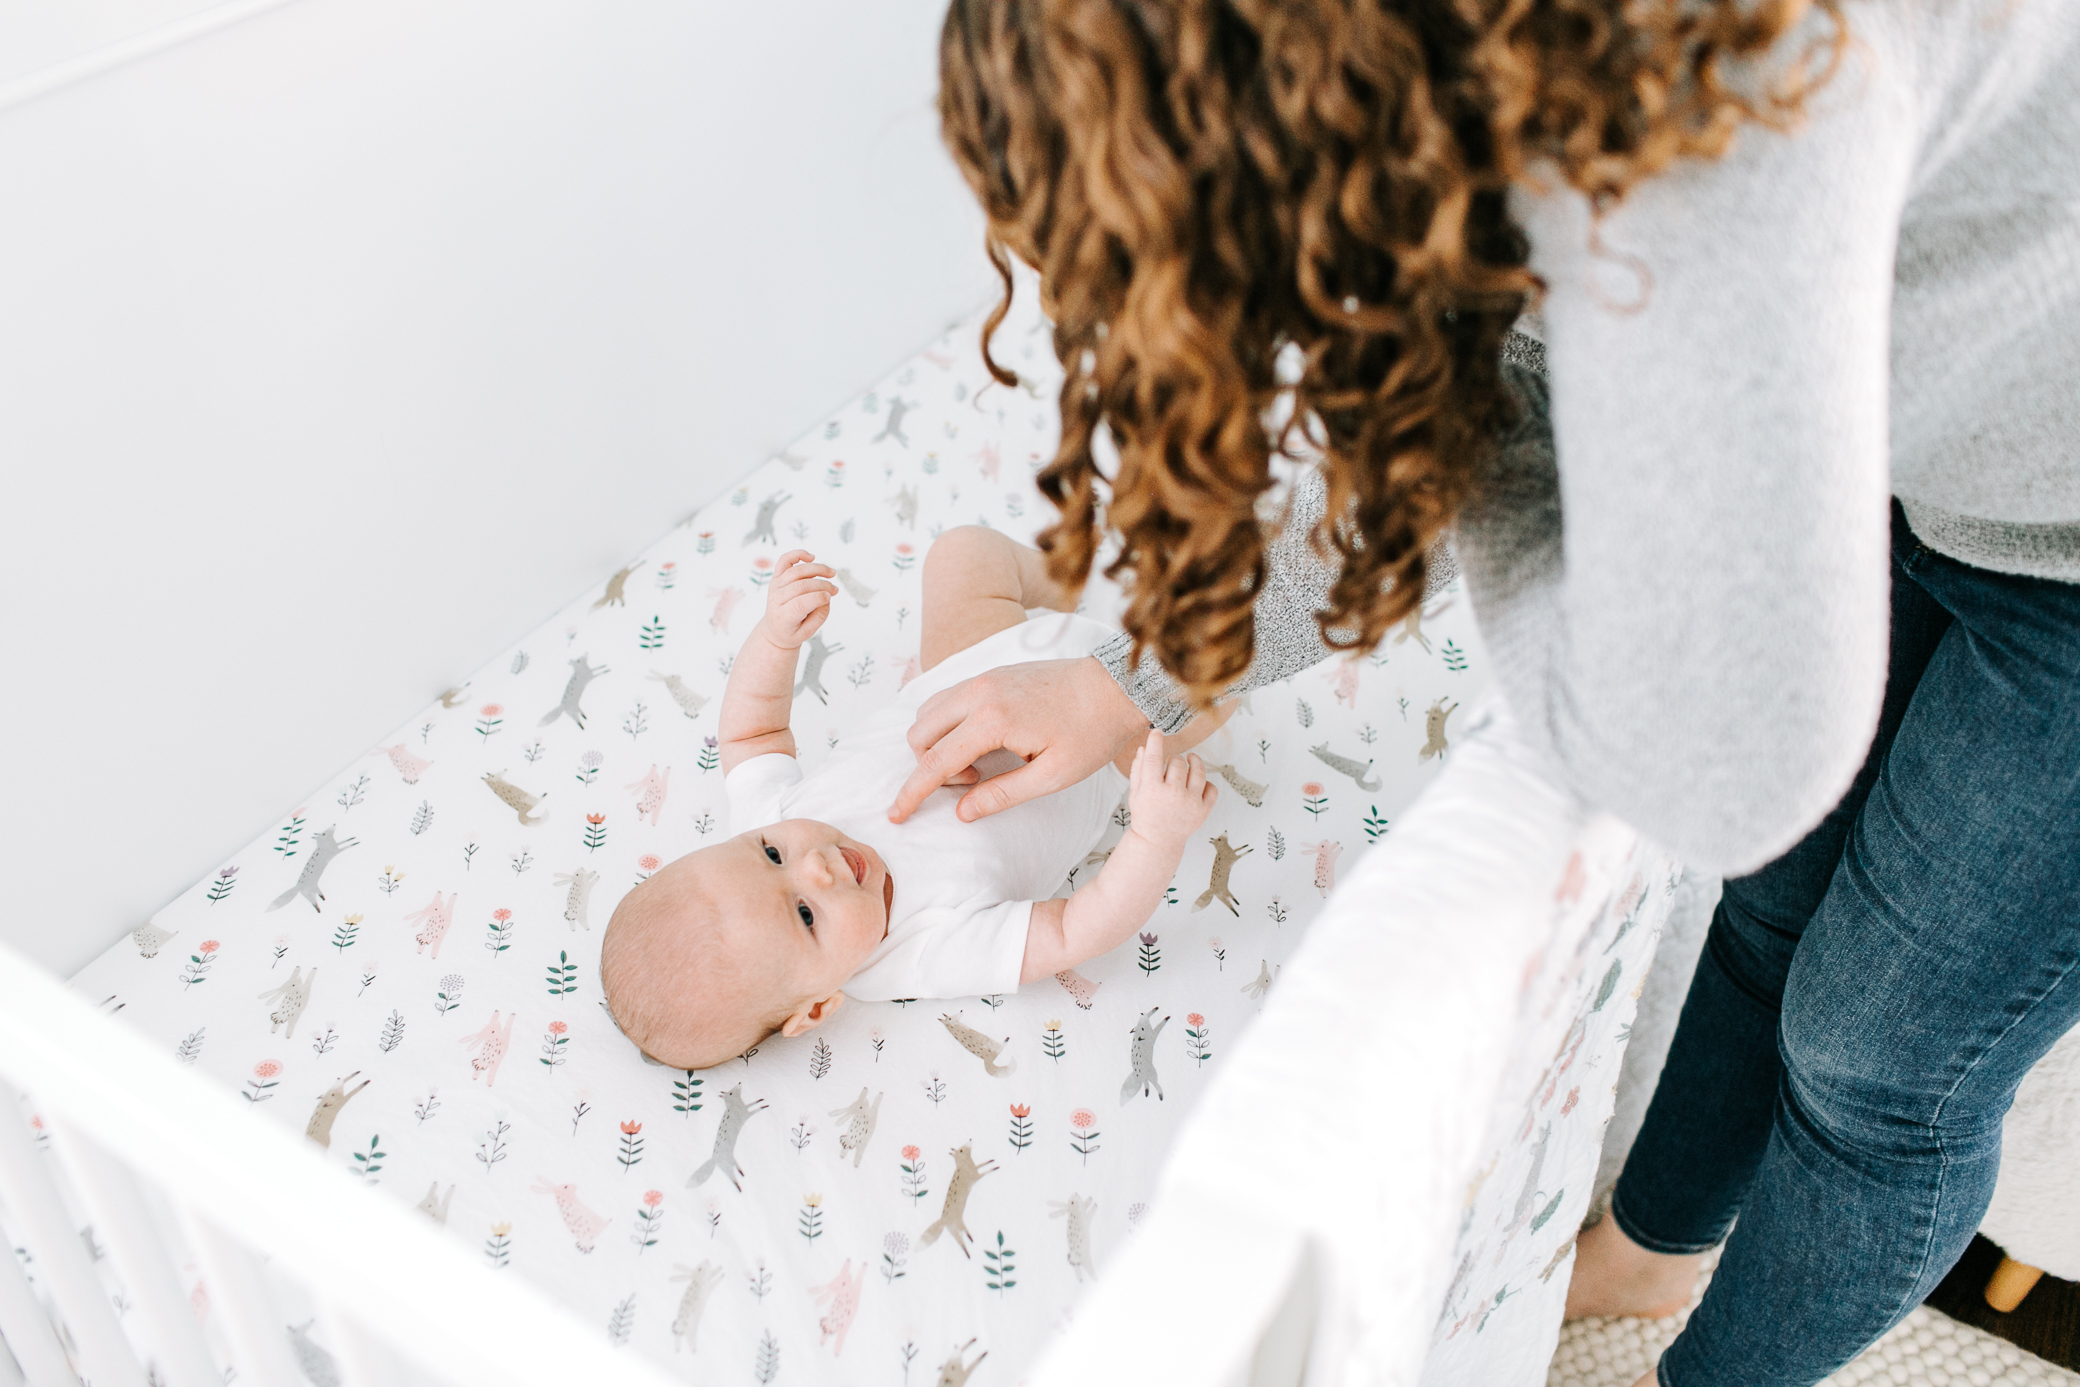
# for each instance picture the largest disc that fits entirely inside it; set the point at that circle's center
(28, 1330)
(423, 1294)
(39, 1215)
(123, 1220)
(238, 1291)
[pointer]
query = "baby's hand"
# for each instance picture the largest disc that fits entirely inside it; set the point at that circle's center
(799, 600)
(1167, 802)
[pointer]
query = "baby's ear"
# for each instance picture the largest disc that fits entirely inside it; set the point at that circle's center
(812, 1015)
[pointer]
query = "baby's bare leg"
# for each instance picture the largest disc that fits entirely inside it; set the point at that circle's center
(977, 582)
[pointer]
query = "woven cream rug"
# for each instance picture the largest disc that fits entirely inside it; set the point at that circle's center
(1925, 1348)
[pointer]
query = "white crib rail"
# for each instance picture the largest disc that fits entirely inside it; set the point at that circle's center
(134, 1131)
(1317, 1202)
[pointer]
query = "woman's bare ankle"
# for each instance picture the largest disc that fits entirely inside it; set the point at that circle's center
(1614, 1276)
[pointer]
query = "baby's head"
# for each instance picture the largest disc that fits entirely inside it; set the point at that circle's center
(729, 944)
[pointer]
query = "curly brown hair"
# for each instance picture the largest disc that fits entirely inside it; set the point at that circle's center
(1202, 182)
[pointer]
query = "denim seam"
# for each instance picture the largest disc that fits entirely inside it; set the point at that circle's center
(1653, 1244)
(1935, 1118)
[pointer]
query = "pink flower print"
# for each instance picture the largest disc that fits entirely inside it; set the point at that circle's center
(557, 1028)
(257, 1089)
(1312, 797)
(653, 1198)
(501, 915)
(649, 862)
(1083, 1136)
(911, 1153)
(210, 946)
(491, 710)
(761, 571)
(1312, 787)
(1021, 1110)
(1193, 1018)
(631, 1128)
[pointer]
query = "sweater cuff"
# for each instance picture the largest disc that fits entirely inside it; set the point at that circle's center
(1154, 692)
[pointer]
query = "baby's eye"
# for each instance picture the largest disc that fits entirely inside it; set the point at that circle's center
(772, 853)
(808, 915)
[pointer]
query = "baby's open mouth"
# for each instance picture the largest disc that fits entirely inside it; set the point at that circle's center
(855, 861)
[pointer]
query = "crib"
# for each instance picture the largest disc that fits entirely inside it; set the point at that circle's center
(349, 1109)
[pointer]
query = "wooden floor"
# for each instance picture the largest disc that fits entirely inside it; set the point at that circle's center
(2047, 1323)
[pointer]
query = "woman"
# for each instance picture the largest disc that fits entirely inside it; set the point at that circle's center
(1809, 281)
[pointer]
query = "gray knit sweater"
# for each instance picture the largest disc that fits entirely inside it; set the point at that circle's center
(1680, 562)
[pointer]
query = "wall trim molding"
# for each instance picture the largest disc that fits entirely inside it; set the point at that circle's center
(21, 90)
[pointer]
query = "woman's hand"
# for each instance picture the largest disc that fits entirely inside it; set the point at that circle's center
(1065, 717)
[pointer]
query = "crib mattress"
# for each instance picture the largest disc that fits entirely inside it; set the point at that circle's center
(405, 967)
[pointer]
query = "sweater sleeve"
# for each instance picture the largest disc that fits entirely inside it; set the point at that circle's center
(1288, 639)
(1686, 598)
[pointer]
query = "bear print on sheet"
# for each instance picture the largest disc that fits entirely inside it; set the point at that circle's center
(460, 810)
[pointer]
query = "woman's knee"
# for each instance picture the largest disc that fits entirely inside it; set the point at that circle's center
(1872, 1083)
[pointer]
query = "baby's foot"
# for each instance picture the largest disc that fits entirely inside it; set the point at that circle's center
(1613, 1276)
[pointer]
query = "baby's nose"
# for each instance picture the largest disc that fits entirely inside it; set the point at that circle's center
(818, 868)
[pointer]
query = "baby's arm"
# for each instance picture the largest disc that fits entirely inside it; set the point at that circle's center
(1167, 803)
(757, 701)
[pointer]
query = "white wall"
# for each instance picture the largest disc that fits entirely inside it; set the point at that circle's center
(340, 346)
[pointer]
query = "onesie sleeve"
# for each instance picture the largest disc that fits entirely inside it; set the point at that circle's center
(757, 790)
(1684, 585)
(976, 953)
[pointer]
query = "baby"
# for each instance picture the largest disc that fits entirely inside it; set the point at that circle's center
(771, 929)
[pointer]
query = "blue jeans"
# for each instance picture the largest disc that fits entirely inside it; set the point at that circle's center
(1867, 1004)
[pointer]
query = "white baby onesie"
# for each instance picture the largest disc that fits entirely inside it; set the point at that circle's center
(964, 893)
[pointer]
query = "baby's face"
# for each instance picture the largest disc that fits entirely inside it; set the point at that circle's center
(811, 900)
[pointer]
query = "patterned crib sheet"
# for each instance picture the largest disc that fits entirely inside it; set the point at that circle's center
(405, 967)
